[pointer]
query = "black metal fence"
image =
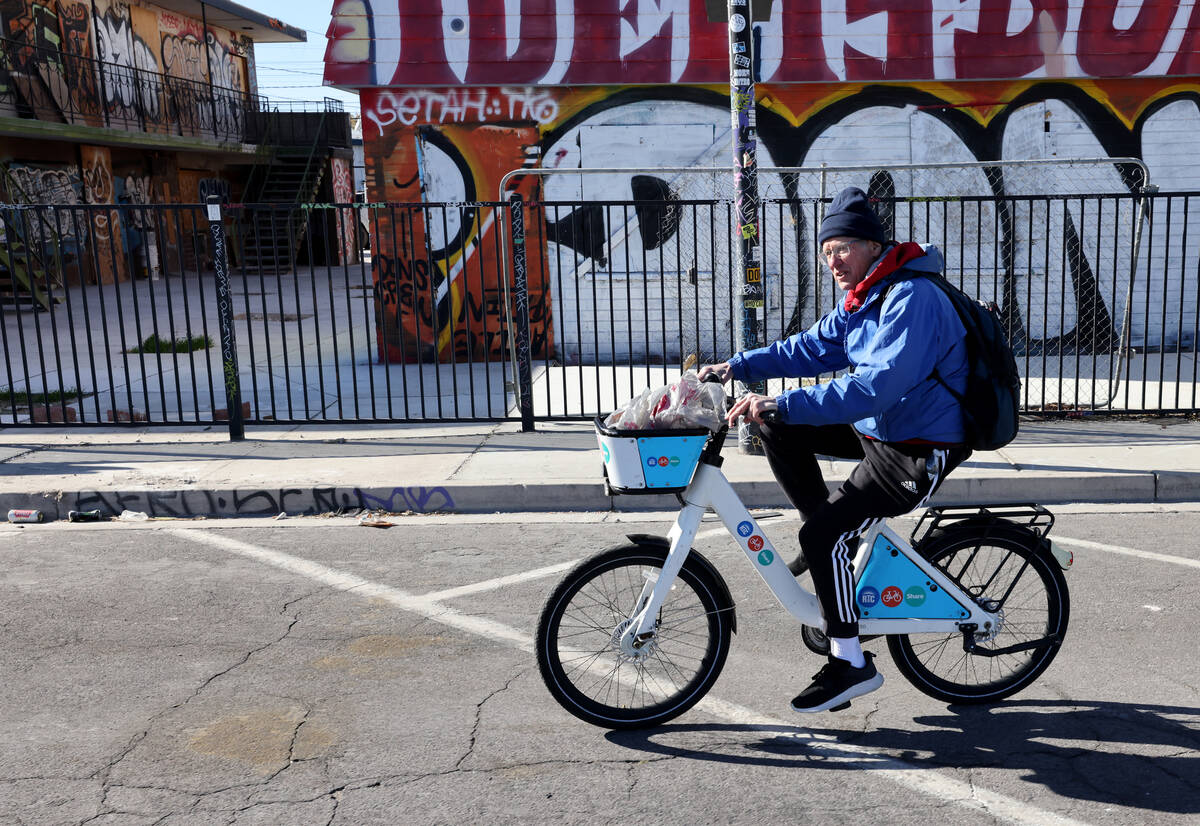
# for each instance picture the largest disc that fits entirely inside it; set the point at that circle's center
(402, 313)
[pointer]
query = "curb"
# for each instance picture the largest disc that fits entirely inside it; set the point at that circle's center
(1047, 489)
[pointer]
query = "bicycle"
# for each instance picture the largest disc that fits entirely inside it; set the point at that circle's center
(974, 606)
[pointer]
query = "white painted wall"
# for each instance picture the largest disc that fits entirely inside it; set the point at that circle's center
(656, 304)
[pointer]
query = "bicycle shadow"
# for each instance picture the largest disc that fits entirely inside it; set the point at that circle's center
(1139, 755)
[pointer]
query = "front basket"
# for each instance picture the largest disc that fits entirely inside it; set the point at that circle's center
(650, 461)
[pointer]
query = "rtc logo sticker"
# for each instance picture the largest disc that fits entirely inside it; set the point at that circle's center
(755, 542)
(868, 597)
(915, 596)
(766, 558)
(744, 529)
(892, 596)
(652, 462)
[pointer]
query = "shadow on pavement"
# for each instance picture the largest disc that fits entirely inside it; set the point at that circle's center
(1137, 755)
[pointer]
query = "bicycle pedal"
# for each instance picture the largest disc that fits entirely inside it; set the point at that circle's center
(842, 707)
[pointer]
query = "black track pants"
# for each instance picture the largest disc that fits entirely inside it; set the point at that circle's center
(891, 479)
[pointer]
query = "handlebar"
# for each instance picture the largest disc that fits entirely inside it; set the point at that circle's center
(770, 417)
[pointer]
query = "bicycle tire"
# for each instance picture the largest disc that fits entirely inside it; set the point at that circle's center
(1036, 607)
(583, 618)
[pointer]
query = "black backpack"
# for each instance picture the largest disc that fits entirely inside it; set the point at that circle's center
(993, 395)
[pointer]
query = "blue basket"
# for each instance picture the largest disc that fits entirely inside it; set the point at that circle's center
(650, 461)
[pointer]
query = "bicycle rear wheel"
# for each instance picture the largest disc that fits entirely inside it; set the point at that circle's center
(580, 629)
(1028, 589)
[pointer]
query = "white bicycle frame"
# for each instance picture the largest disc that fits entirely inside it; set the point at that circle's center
(710, 489)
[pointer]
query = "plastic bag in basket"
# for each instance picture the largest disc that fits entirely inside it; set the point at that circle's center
(685, 403)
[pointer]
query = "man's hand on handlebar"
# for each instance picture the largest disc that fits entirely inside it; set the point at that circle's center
(754, 407)
(719, 372)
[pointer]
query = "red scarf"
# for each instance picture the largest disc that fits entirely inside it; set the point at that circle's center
(895, 259)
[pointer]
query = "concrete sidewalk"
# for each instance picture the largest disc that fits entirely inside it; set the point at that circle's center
(188, 472)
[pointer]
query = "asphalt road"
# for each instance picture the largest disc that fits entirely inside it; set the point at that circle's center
(316, 672)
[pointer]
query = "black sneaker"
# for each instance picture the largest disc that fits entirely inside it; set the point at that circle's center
(836, 684)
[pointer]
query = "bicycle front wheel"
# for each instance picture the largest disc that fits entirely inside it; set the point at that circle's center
(579, 633)
(1005, 570)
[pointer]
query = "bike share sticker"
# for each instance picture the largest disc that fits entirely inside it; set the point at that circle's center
(868, 597)
(662, 461)
(915, 596)
(766, 558)
(892, 596)
(744, 529)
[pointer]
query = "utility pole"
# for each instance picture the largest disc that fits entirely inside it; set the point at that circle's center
(746, 241)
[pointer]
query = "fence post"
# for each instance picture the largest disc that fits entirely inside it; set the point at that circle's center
(748, 267)
(520, 337)
(233, 391)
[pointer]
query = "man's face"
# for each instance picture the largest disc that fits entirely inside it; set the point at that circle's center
(849, 259)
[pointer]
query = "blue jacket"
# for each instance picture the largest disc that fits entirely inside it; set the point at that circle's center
(891, 347)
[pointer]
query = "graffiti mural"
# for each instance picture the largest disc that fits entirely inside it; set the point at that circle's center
(436, 271)
(580, 42)
(229, 82)
(34, 60)
(132, 84)
(123, 64)
(181, 46)
(78, 54)
(347, 220)
(98, 188)
(644, 85)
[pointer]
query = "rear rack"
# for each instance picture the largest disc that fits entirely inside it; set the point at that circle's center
(1026, 515)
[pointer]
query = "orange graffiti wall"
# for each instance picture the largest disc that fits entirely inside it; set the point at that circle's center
(438, 269)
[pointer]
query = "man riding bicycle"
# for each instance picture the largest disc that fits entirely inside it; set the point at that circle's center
(897, 339)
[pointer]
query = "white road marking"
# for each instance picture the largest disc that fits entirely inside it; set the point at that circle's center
(925, 781)
(1117, 549)
(527, 576)
(500, 582)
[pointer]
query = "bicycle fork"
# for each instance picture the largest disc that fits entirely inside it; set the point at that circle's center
(644, 615)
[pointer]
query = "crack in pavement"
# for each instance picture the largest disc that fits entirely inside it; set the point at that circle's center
(104, 773)
(479, 715)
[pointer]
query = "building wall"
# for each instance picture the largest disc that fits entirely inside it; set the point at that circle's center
(596, 83)
(67, 174)
(127, 66)
(153, 73)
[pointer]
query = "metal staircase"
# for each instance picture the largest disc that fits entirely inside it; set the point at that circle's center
(27, 273)
(274, 223)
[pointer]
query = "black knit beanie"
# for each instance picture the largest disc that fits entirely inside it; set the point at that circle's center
(851, 216)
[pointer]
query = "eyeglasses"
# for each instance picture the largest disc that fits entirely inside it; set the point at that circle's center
(838, 250)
